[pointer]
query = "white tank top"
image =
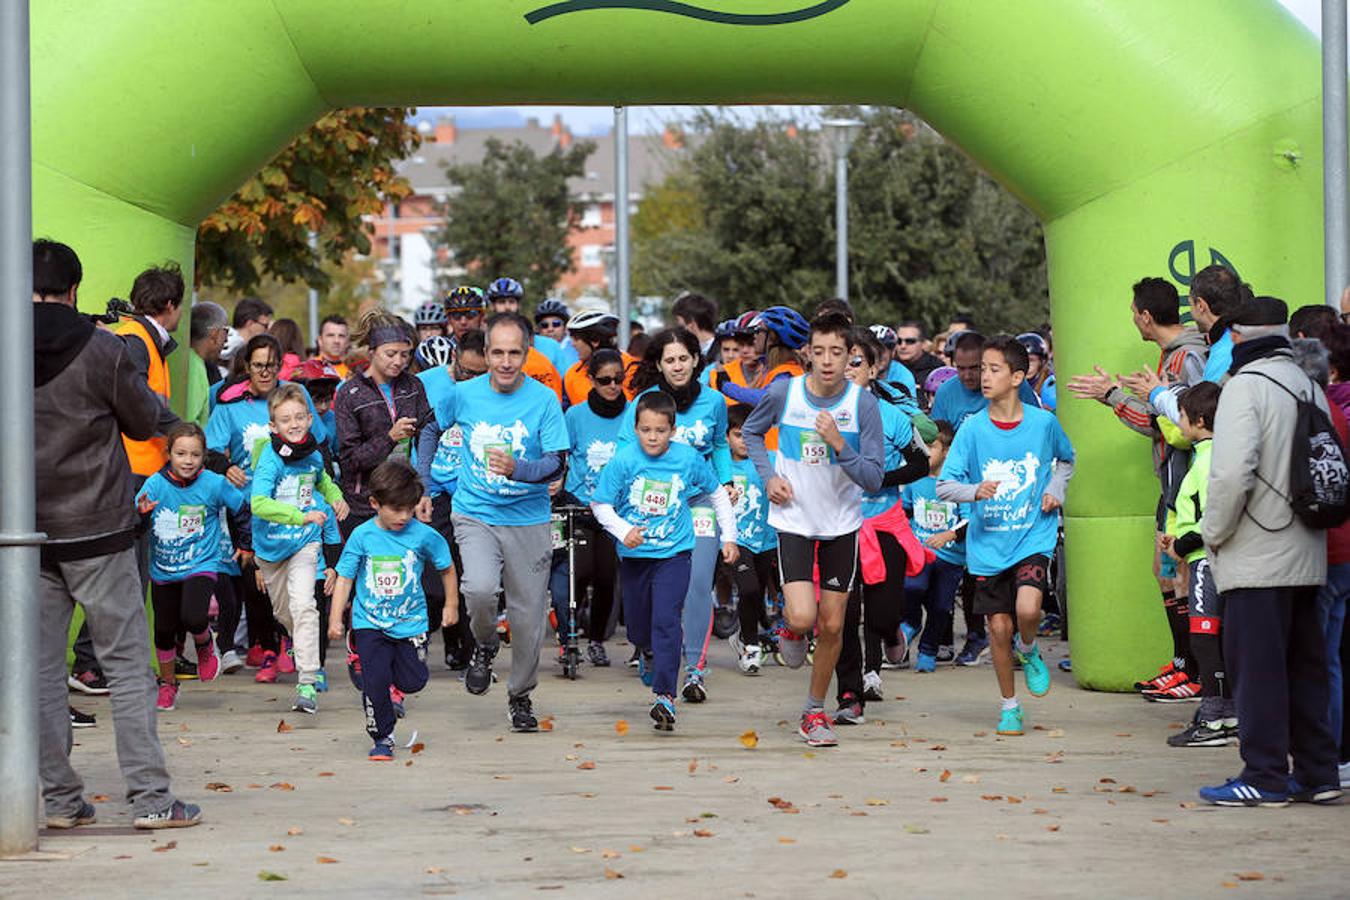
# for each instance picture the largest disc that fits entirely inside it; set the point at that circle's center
(825, 502)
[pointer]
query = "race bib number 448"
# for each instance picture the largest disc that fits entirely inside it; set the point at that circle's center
(655, 497)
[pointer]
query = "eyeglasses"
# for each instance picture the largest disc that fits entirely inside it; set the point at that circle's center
(551, 323)
(463, 374)
(263, 368)
(907, 340)
(856, 362)
(459, 314)
(606, 380)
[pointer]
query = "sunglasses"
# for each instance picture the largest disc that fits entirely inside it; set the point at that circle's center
(856, 362)
(552, 323)
(606, 380)
(463, 315)
(907, 340)
(463, 374)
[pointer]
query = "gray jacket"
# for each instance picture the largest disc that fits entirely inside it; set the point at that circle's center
(1252, 537)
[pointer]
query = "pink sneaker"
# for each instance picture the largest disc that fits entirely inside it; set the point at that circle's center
(168, 697)
(208, 664)
(286, 659)
(267, 672)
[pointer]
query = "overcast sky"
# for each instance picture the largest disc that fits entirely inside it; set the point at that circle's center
(598, 120)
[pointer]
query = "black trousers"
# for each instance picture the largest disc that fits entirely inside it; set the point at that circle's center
(388, 662)
(1275, 654)
(458, 639)
(880, 607)
(755, 573)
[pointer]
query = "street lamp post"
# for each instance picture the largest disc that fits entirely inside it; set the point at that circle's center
(621, 289)
(1335, 177)
(842, 133)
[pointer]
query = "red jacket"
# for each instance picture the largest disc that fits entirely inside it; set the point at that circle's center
(1338, 538)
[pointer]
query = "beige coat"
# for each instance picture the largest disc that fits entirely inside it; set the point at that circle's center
(1252, 433)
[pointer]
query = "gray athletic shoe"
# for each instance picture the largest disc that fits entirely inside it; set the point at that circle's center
(178, 815)
(792, 648)
(817, 730)
(85, 815)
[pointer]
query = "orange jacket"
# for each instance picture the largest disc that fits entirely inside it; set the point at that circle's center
(541, 370)
(792, 370)
(577, 382)
(147, 457)
(731, 372)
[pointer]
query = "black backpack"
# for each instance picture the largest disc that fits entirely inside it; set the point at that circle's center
(1319, 479)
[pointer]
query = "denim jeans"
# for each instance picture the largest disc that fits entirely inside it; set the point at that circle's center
(1331, 601)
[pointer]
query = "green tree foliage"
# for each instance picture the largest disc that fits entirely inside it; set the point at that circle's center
(510, 214)
(747, 216)
(339, 170)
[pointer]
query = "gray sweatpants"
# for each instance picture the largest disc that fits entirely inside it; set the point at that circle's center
(109, 589)
(516, 558)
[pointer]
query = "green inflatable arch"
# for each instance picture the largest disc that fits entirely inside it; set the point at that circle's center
(1148, 136)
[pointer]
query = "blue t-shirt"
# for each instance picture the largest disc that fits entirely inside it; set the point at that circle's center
(897, 434)
(753, 531)
(653, 493)
(185, 528)
(899, 373)
(1220, 358)
(955, 404)
(296, 483)
(1009, 527)
(528, 422)
(386, 569)
(929, 516)
(552, 350)
(594, 440)
(241, 429)
(440, 388)
(702, 426)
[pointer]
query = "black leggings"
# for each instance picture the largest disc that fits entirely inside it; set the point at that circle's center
(262, 625)
(181, 606)
(881, 607)
(755, 574)
(227, 603)
(458, 638)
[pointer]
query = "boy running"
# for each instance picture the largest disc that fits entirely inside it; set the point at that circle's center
(829, 453)
(1014, 462)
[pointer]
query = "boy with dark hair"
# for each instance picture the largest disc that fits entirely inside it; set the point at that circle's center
(1013, 462)
(389, 614)
(698, 314)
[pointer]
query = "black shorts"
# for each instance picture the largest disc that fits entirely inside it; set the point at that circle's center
(837, 559)
(998, 593)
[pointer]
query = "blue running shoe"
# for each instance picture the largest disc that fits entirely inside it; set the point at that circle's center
(321, 681)
(925, 663)
(645, 669)
(1066, 664)
(973, 653)
(1035, 671)
(1010, 722)
(663, 713)
(383, 751)
(1236, 792)
(1327, 793)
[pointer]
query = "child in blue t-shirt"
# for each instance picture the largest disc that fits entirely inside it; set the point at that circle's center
(756, 569)
(293, 497)
(643, 499)
(385, 557)
(183, 505)
(941, 525)
(1014, 462)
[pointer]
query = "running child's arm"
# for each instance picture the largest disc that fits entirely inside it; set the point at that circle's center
(1059, 480)
(914, 466)
(450, 584)
(342, 591)
(333, 494)
(726, 523)
(612, 522)
(866, 467)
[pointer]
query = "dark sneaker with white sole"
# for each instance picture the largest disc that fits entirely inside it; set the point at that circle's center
(478, 677)
(520, 713)
(850, 711)
(178, 815)
(1217, 733)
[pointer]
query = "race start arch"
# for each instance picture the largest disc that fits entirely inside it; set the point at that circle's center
(1149, 136)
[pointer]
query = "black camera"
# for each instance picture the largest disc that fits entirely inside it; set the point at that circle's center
(117, 307)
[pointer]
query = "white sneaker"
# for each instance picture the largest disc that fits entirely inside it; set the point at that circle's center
(752, 657)
(872, 686)
(230, 662)
(1345, 774)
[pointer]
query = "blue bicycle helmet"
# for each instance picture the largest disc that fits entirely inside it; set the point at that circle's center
(787, 324)
(505, 287)
(1035, 344)
(551, 307)
(435, 351)
(729, 328)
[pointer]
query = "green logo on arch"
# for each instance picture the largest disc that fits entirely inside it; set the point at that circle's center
(687, 10)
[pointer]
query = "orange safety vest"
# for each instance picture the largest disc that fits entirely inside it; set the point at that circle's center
(541, 370)
(577, 382)
(791, 369)
(730, 372)
(148, 457)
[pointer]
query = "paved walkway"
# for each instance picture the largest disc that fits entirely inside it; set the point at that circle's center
(922, 800)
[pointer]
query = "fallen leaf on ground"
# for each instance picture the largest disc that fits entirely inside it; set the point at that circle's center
(586, 765)
(970, 779)
(295, 830)
(104, 798)
(1106, 781)
(702, 832)
(937, 799)
(693, 765)
(877, 801)
(610, 854)
(636, 848)
(325, 860)
(1059, 790)
(1187, 804)
(219, 787)
(779, 803)
(418, 747)
(265, 875)
(254, 786)
(186, 742)
(1250, 876)
(1037, 727)
(433, 870)
(662, 787)
(571, 757)
(501, 777)
(838, 873)
(809, 755)
(945, 776)
(408, 763)
(787, 840)
(981, 734)
(899, 743)
(546, 723)
(1055, 733)
(610, 874)
(1012, 799)
(1123, 734)
(749, 740)
(1052, 828)
(1228, 884)
(1127, 789)
(282, 786)
(991, 796)
(283, 728)
(621, 727)
(326, 774)
(276, 848)
(915, 829)
(1040, 812)
(731, 779)
(1057, 756)
(581, 849)
(346, 821)
(1162, 821)
(856, 812)
(938, 747)
(165, 848)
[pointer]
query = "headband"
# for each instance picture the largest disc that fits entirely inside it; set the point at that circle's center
(387, 334)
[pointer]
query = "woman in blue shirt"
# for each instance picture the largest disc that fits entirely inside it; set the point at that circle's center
(671, 365)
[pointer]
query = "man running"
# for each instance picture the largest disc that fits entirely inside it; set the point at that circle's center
(829, 452)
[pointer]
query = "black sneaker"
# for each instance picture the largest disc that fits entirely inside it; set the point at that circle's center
(596, 654)
(81, 720)
(88, 682)
(632, 662)
(850, 711)
(520, 713)
(178, 815)
(184, 669)
(478, 677)
(1205, 734)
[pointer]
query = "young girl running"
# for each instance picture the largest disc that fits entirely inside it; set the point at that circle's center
(643, 500)
(182, 503)
(941, 525)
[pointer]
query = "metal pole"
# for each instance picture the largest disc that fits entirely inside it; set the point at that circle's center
(1335, 183)
(18, 543)
(314, 300)
(621, 222)
(841, 220)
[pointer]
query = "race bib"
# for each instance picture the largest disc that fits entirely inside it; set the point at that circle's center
(740, 482)
(933, 516)
(452, 437)
(814, 451)
(655, 497)
(705, 522)
(191, 520)
(387, 575)
(297, 490)
(555, 531)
